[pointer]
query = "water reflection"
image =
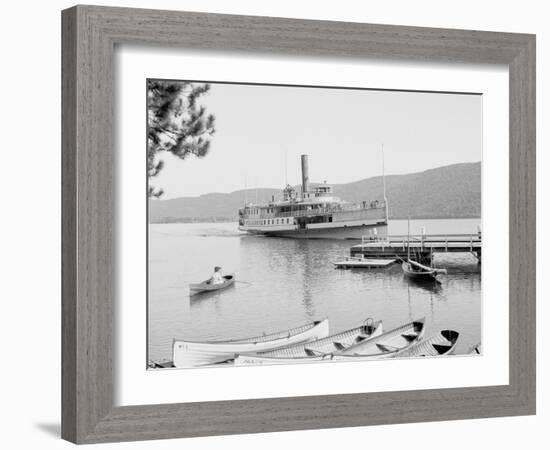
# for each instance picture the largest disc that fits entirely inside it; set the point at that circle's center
(434, 286)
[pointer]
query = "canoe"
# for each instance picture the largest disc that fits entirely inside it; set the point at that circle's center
(440, 344)
(385, 345)
(352, 262)
(314, 350)
(192, 354)
(206, 286)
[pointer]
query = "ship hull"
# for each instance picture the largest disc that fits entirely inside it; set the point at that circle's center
(354, 232)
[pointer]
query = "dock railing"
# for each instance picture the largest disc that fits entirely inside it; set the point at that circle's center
(425, 240)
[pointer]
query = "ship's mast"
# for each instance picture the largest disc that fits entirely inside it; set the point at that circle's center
(286, 170)
(409, 239)
(245, 189)
(384, 184)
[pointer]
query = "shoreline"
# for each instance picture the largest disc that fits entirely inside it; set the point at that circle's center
(228, 220)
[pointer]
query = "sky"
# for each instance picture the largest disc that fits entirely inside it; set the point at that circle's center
(261, 131)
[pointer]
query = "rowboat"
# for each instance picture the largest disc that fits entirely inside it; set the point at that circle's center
(440, 344)
(207, 286)
(192, 354)
(354, 262)
(314, 350)
(415, 270)
(385, 345)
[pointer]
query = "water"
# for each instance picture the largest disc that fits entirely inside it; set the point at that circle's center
(283, 283)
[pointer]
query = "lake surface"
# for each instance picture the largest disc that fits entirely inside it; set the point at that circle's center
(283, 283)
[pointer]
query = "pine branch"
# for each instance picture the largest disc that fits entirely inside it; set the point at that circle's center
(176, 123)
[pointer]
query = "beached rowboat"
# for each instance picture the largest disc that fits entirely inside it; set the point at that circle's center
(440, 344)
(206, 286)
(192, 354)
(314, 350)
(385, 345)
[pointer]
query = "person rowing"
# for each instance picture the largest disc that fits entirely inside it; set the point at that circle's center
(217, 277)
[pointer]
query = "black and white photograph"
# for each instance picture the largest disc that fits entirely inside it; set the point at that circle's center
(311, 224)
(266, 225)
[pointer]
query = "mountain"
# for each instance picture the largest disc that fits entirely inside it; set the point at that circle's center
(445, 192)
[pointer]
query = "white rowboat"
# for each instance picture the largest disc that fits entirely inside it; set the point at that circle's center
(385, 345)
(207, 286)
(440, 344)
(314, 350)
(193, 354)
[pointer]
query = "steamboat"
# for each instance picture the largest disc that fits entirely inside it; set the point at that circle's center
(315, 213)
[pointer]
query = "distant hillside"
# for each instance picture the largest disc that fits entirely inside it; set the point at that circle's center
(444, 192)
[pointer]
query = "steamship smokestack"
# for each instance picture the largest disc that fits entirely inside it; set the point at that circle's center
(305, 174)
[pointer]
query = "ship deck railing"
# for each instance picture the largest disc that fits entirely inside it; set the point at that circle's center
(321, 211)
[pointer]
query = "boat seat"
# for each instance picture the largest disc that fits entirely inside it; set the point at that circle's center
(387, 348)
(339, 345)
(311, 352)
(409, 337)
(441, 349)
(368, 329)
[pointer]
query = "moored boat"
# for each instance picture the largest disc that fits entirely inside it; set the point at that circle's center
(354, 262)
(193, 354)
(207, 286)
(439, 344)
(415, 270)
(385, 345)
(314, 350)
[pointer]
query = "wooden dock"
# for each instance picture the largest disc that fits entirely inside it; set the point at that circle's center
(423, 246)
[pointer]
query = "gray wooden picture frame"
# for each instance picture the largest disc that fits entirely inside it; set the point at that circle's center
(90, 34)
